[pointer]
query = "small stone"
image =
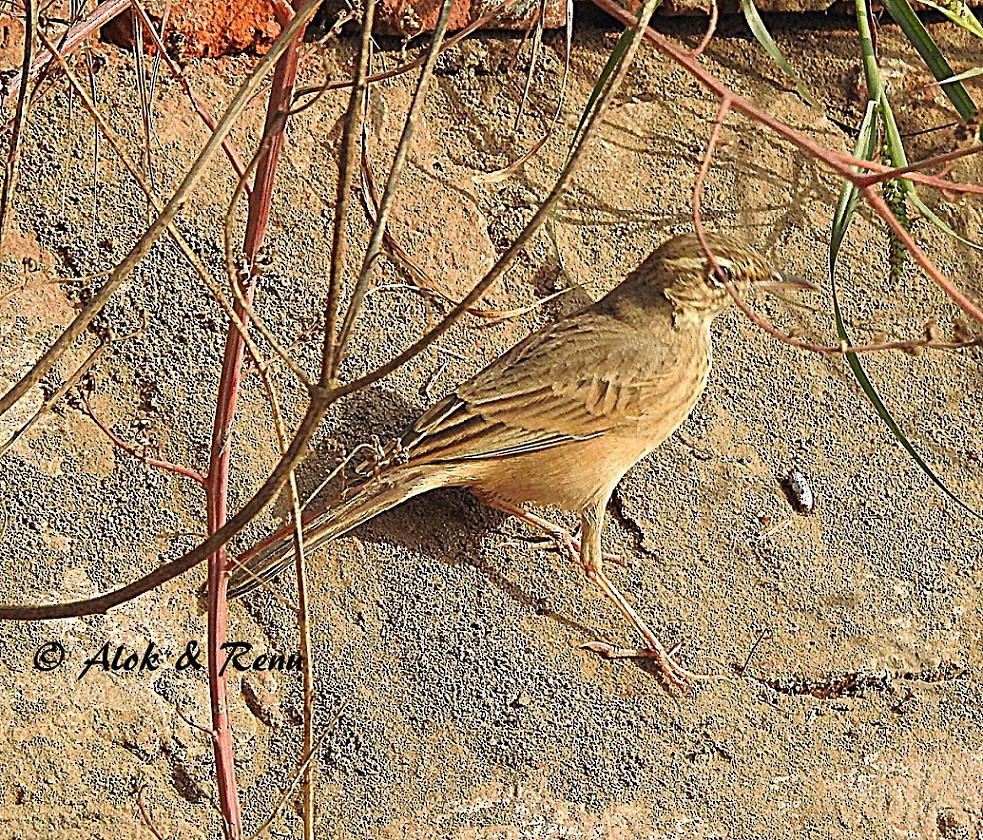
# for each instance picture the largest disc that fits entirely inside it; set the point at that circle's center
(799, 492)
(952, 823)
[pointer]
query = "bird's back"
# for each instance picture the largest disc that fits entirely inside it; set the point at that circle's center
(586, 396)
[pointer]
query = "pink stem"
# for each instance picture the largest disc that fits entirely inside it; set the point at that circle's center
(227, 145)
(75, 36)
(840, 162)
(218, 475)
(178, 469)
(711, 29)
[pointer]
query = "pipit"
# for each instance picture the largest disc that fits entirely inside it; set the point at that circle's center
(561, 417)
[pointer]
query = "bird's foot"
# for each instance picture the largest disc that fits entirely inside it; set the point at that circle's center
(674, 673)
(569, 544)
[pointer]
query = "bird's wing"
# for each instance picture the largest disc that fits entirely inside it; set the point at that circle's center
(542, 394)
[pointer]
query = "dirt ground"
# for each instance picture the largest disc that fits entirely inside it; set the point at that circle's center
(448, 642)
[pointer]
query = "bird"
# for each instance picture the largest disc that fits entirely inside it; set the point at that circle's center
(559, 418)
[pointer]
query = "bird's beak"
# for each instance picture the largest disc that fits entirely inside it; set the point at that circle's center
(780, 282)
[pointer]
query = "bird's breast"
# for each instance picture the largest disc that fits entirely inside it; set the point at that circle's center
(575, 474)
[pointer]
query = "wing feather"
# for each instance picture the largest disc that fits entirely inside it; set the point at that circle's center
(535, 396)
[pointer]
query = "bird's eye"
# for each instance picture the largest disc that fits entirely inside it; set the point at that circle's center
(723, 274)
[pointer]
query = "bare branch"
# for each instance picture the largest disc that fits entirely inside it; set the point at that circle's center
(346, 173)
(392, 182)
(178, 469)
(838, 162)
(77, 34)
(137, 174)
(55, 398)
(227, 145)
(10, 173)
(167, 215)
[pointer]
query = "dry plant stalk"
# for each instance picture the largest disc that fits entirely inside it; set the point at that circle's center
(20, 115)
(327, 390)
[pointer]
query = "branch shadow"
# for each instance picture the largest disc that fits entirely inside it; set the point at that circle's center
(454, 514)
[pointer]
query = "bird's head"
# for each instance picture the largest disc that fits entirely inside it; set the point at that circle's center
(686, 276)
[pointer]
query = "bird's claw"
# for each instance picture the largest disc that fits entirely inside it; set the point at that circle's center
(674, 673)
(570, 544)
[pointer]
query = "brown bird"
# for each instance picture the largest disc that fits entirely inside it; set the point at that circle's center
(562, 416)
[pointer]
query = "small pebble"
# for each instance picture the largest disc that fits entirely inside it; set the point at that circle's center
(799, 492)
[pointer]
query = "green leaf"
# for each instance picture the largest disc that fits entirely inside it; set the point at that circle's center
(850, 195)
(959, 13)
(602, 80)
(930, 214)
(866, 146)
(915, 30)
(763, 37)
(882, 410)
(966, 74)
(872, 73)
(895, 148)
(892, 138)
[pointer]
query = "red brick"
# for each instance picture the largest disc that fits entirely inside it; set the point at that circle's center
(223, 27)
(208, 27)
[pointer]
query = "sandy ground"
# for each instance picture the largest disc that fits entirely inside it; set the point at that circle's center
(452, 645)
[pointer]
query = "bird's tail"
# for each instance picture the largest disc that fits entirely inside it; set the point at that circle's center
(267, 559)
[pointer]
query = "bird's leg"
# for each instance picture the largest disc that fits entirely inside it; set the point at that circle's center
(592, 521)
(568, 543)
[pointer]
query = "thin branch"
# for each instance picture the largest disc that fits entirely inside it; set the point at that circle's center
(346, 174)
(265, 825)
(145, 816)
(10, 174)
(711, 30)
(20, 288)
(137, 174)
(303, 615)
(879, 206)
(507, 171)
(901, 171)
(307, 655)
(838, 162)
(217, 485)
(76, 35)
(119, 443)
(537, 42)
(231, 272)
(55, 398)
(423, 283)
(227, 145)
(146, 102)
(164, 219)
(374, 248)
(908, 345)
(197, 726)
(91, 66)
